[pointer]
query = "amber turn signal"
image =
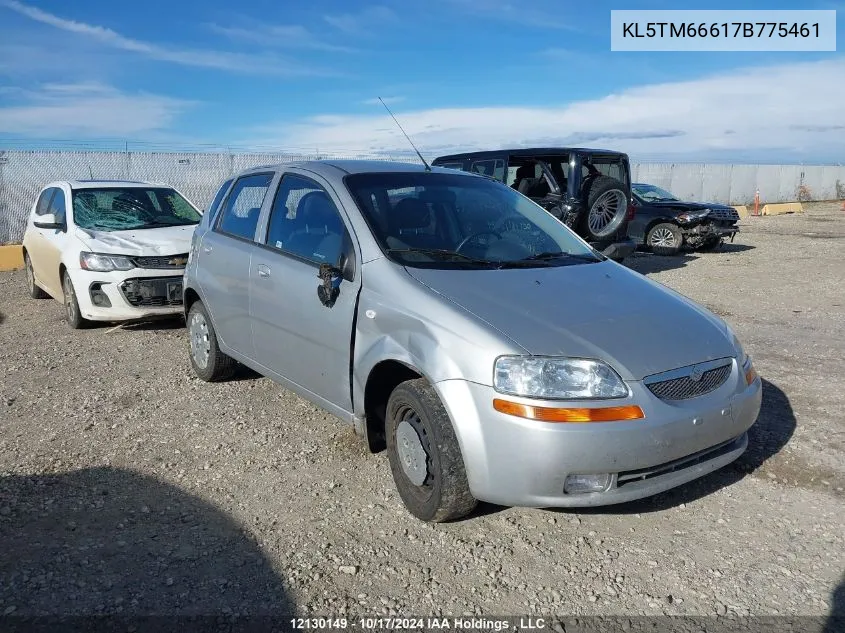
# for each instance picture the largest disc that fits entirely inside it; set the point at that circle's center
(580, 414)
(750, 375)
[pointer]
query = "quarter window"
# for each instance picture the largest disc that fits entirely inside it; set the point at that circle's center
(243, 206)
(305, 222)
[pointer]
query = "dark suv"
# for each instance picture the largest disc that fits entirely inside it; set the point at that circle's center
(588, 189)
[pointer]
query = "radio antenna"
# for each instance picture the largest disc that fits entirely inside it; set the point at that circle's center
(427, 166)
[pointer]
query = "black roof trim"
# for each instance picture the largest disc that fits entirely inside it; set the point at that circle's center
(529, 151)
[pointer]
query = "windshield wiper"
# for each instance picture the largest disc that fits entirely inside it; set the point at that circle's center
(551, 255)
(444, 254)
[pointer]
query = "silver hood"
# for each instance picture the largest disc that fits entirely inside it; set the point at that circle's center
(599, 310)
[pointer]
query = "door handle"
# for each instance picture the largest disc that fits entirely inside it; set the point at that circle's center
(263, 271)
(206, 249)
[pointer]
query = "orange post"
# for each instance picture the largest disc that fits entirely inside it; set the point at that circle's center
(757, 202)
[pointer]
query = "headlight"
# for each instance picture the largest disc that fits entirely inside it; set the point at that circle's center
(556, 378)
(104, 263)
(741, 356)
(693, 215)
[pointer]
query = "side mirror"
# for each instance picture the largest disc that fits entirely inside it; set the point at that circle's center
(329, 288)
(49, 221)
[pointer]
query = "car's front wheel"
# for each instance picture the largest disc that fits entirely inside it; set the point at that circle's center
(74, 316)
(34, 289)
(665, 239)
(425, 458)
(208, 362)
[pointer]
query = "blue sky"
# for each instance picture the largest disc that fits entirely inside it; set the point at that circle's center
(458, 74)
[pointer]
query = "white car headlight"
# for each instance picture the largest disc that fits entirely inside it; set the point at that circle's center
(102, 263)
(557, 378)
(741, 356)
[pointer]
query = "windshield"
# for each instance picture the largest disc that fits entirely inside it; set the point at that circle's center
(436, 220)
(652, 193)
(127, 208)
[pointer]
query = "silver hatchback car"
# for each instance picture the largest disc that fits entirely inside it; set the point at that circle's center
(457, 324)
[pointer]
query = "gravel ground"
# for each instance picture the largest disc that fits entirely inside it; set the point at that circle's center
(129, 486)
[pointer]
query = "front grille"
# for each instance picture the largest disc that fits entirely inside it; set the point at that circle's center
(684, 387)
(724, 214)
(153, 292)
(632, 476)
(162, 261)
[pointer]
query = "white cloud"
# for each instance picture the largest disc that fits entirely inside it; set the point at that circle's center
(88, 110)
(364, 22)
(545, 15)
(218, 60)
(278, 35)
(788, 108)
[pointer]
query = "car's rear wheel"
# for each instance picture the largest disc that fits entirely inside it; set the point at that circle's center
(34, 290)
(208, 362)
(606, 204)
(665, 239)
(425, 458)
(72, 313)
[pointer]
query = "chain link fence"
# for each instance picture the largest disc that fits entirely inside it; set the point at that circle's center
(198, 175)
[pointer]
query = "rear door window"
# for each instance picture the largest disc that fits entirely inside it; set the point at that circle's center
(239, 217)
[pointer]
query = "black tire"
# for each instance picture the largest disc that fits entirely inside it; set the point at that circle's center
(72, 314)
(217, 365)
(444, 494)
(664, 239)
(34, 290)
(606, 224)
(711, 244)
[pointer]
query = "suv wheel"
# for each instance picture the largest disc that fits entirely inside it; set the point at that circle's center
(606, 205)
(425, 458)
(34, 290)
(664, 239)
(208, 362)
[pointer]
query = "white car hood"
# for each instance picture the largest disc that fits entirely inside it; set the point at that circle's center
(167, 240)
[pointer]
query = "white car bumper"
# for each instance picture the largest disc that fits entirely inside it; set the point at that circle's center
(126, 295)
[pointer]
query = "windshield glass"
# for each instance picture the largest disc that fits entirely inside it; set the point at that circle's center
(127, 208)
(437, 220)
(652, 193)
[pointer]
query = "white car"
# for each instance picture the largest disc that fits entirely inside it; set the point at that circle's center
(109, 250)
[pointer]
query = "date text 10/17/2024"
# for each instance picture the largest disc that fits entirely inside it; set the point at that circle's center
(420, 624)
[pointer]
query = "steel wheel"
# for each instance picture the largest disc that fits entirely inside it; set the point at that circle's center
(607, 213)
(409, 445)
(200, 343)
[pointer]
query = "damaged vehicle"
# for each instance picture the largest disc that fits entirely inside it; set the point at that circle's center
(109, 250)
(588, 189)
(664, 224)
(464, 329)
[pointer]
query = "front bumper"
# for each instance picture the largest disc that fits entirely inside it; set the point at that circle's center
(707, 230)
(133, 294)
(519, 462)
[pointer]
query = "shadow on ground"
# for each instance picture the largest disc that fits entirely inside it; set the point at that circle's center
(771, 432)
(649, 264)
(107, 541)
(836, 620)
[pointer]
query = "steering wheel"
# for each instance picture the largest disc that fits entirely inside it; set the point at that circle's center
(469, 238)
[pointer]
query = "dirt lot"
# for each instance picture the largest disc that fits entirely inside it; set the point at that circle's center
(128, 486)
